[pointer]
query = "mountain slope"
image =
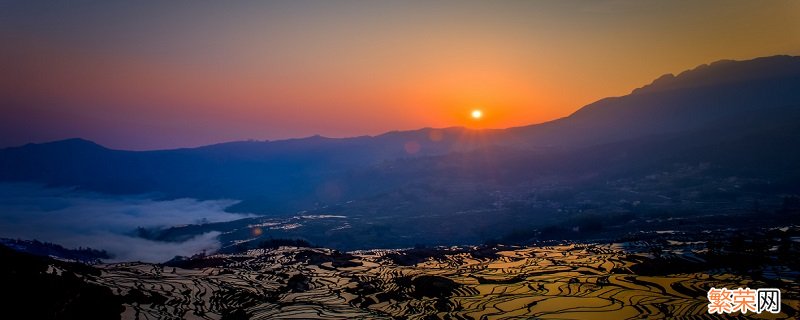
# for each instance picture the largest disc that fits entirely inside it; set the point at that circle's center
(689, 101)
(700, 115)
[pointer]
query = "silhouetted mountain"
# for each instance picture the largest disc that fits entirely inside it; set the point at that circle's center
(690, 101)
(739, 116)
(726, 72)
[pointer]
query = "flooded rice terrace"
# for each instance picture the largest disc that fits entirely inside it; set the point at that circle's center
(566, 281)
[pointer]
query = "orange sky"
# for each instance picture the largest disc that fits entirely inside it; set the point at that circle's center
(160, 75)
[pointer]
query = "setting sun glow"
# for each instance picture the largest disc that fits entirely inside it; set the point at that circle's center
(477, 114)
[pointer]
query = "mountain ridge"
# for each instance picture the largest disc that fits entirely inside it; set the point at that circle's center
(722, 72)
(293, 174)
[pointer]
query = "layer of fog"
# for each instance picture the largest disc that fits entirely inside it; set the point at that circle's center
(81, 219)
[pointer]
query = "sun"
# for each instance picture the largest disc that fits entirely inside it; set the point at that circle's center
(477, 114)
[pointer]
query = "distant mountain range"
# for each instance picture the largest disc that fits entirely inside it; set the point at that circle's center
(740, 118)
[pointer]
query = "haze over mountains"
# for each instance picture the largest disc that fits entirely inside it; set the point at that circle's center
(728, 130)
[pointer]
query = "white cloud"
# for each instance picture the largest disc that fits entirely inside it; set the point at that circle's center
(73, 218)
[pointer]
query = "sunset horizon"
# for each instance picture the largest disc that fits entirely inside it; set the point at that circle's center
(273, 71)
(470, 122)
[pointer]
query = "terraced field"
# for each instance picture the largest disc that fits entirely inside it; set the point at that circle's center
(558, 282)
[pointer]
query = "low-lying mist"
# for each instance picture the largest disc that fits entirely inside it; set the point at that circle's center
(75, 218)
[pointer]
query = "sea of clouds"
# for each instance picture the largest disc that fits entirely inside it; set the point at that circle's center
(75, 218)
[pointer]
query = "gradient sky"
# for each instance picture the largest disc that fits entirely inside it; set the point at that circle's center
(164, 74)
